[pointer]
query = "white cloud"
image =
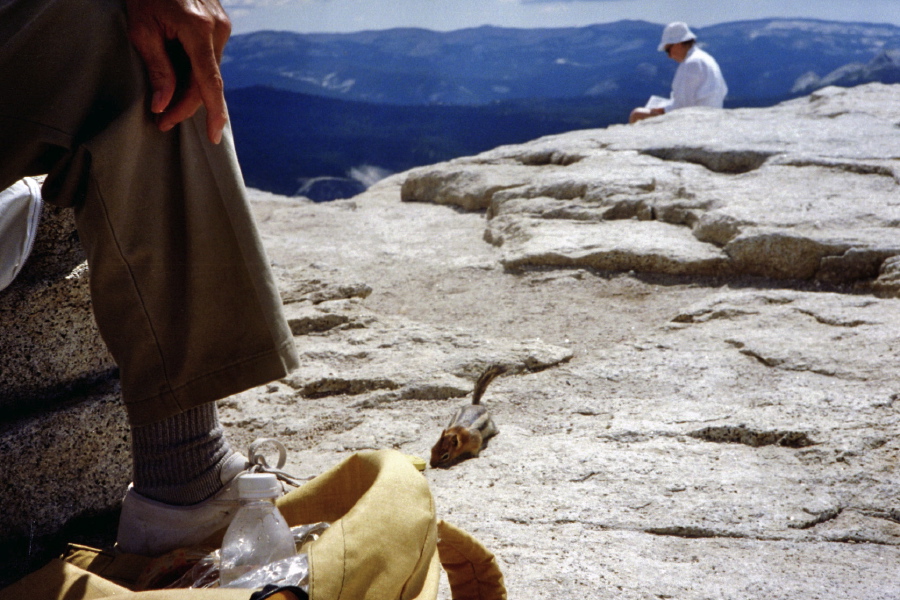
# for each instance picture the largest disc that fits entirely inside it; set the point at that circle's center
(368, 175)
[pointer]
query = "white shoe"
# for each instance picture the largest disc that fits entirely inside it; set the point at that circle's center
(151, 528)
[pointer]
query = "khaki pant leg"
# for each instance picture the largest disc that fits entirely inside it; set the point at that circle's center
(180, 284)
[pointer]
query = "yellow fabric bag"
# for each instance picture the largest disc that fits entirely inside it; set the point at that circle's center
(383, 544)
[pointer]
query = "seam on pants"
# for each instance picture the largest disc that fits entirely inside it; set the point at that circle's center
(134, 285)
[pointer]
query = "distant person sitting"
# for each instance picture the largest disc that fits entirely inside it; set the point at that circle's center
(698, 80)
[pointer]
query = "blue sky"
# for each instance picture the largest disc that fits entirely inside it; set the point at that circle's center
(444, 15)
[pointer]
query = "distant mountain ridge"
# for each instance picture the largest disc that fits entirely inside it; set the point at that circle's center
(762, 60)
(884, 68)
(416, 66)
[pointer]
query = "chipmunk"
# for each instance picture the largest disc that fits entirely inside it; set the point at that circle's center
(469, 428)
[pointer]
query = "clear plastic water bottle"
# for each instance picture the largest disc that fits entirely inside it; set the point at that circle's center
(258, 535)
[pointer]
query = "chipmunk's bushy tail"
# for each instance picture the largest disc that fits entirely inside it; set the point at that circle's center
(486, 378)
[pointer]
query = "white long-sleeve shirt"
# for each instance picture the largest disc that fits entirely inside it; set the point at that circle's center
(698, 82)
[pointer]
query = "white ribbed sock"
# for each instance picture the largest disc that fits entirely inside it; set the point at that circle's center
(178, 461)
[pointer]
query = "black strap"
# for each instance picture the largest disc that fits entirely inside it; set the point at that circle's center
(271, 589)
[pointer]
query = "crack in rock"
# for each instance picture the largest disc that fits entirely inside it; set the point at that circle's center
(711, 314)
(741, 434)
(776, 362)
(317, 291)
(818, 518)
(852, 167)
(316, 323)
(693, 532)
(549, 157)
(351, 387)
(892, 515)
(834, 321)
(584, 478)
(732, 162)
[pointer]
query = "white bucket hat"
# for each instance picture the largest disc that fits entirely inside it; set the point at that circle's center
(675, 33)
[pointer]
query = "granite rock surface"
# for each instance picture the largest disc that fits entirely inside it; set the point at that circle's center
(778, 193)
(700, 314)
(51, 345)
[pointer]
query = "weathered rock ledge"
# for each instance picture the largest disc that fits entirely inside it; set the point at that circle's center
(807, 190)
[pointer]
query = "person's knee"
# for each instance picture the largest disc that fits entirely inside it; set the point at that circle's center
(91, 57)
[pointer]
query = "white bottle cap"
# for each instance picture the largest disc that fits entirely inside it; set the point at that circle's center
(258, 485)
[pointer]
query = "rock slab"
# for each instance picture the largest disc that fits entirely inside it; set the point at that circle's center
(775, 193)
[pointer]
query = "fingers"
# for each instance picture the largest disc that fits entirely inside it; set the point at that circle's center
(196, 30)
(182, 109)
(204, 44)
(160, 71)
(210, 88)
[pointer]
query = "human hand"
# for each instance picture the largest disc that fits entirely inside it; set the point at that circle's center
(200, 27)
